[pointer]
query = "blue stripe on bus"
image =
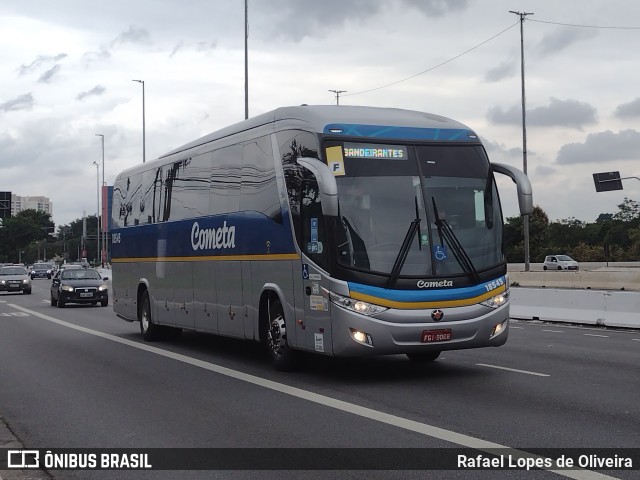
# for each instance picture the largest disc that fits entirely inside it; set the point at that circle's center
(400, 133)
(253, 234)
(431, 294)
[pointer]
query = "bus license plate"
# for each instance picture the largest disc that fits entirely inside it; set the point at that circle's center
(442, 335)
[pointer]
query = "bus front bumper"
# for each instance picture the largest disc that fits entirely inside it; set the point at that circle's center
(402, 331)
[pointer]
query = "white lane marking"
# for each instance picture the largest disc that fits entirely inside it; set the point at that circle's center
(511, 326)
(594, 335)
(553, 331)
(323, 400)
(513, 370)
(636, 339)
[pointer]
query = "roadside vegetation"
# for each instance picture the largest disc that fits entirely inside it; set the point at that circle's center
(613, 237)
(31, 235)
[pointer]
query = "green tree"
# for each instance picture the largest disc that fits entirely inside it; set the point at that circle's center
(629, 210)
(19, 232)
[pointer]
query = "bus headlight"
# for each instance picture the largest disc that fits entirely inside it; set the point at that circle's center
(497, 300)
(357, 306)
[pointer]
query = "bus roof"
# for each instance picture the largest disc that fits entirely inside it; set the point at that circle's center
(317, 118)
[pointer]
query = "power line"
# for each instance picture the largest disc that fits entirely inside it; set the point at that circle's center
(584, 26)
(435, 66)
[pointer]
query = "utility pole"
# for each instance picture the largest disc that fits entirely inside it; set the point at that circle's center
(525, 222)
(338, 92)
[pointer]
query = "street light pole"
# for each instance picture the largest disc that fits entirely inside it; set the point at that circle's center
(143, 128)
(98, 212)
(103, 253)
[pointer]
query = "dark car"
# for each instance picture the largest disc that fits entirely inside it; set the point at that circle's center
(41, 270)
(79, 285)
(14, 278)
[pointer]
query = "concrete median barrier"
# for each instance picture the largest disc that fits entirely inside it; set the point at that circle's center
(591, 307)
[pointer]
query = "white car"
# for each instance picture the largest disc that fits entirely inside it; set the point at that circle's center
(560, 262)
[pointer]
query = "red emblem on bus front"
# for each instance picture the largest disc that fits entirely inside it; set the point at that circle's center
(437, 315)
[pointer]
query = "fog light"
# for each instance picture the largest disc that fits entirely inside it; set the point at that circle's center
(361, 337)
(499, 328)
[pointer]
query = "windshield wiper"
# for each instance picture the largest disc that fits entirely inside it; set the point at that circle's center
(445, 230)
(402, 254)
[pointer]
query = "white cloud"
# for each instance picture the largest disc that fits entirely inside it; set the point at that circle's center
(602, 147)
(566, 113)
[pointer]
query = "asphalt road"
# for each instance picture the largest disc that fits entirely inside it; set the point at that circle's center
(79, 377)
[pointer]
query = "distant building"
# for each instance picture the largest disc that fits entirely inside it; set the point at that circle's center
(19, 204)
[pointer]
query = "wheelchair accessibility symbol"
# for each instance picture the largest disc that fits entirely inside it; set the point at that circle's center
(440, 252)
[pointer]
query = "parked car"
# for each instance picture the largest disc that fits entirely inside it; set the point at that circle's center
(41, 270)
(560, 262)
(79, 285)
(14, 278)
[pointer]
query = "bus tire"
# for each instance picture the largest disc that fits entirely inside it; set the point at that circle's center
(423, 357)
(282, 356)
(150, 331)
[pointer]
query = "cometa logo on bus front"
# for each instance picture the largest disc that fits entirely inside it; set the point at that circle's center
(213, 238)
(434, 283)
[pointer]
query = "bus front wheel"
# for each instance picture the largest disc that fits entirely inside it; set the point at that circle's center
(281, 354)
(149, 330)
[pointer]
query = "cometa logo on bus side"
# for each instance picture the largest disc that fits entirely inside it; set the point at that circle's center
(213, 238)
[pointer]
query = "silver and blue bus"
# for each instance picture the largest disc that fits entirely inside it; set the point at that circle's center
(339, 230)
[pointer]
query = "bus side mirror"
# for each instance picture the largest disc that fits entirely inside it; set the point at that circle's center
(523, 185)
(326, 184)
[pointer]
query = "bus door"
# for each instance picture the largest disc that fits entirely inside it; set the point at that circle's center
(315, 332)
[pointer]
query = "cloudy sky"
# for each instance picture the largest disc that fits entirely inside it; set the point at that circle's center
(67, 67)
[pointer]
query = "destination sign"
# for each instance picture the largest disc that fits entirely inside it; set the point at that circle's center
(374, 150)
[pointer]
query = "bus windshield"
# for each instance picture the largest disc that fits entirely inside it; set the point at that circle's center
(442, 196)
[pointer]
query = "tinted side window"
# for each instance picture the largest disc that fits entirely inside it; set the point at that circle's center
(259, 187)
(226, 173)
(293, 144)
(126, 194)
(187, 187)
(152, 193)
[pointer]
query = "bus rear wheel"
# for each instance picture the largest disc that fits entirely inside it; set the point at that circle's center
(423, 356)
(281, 354)
(149, 330)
